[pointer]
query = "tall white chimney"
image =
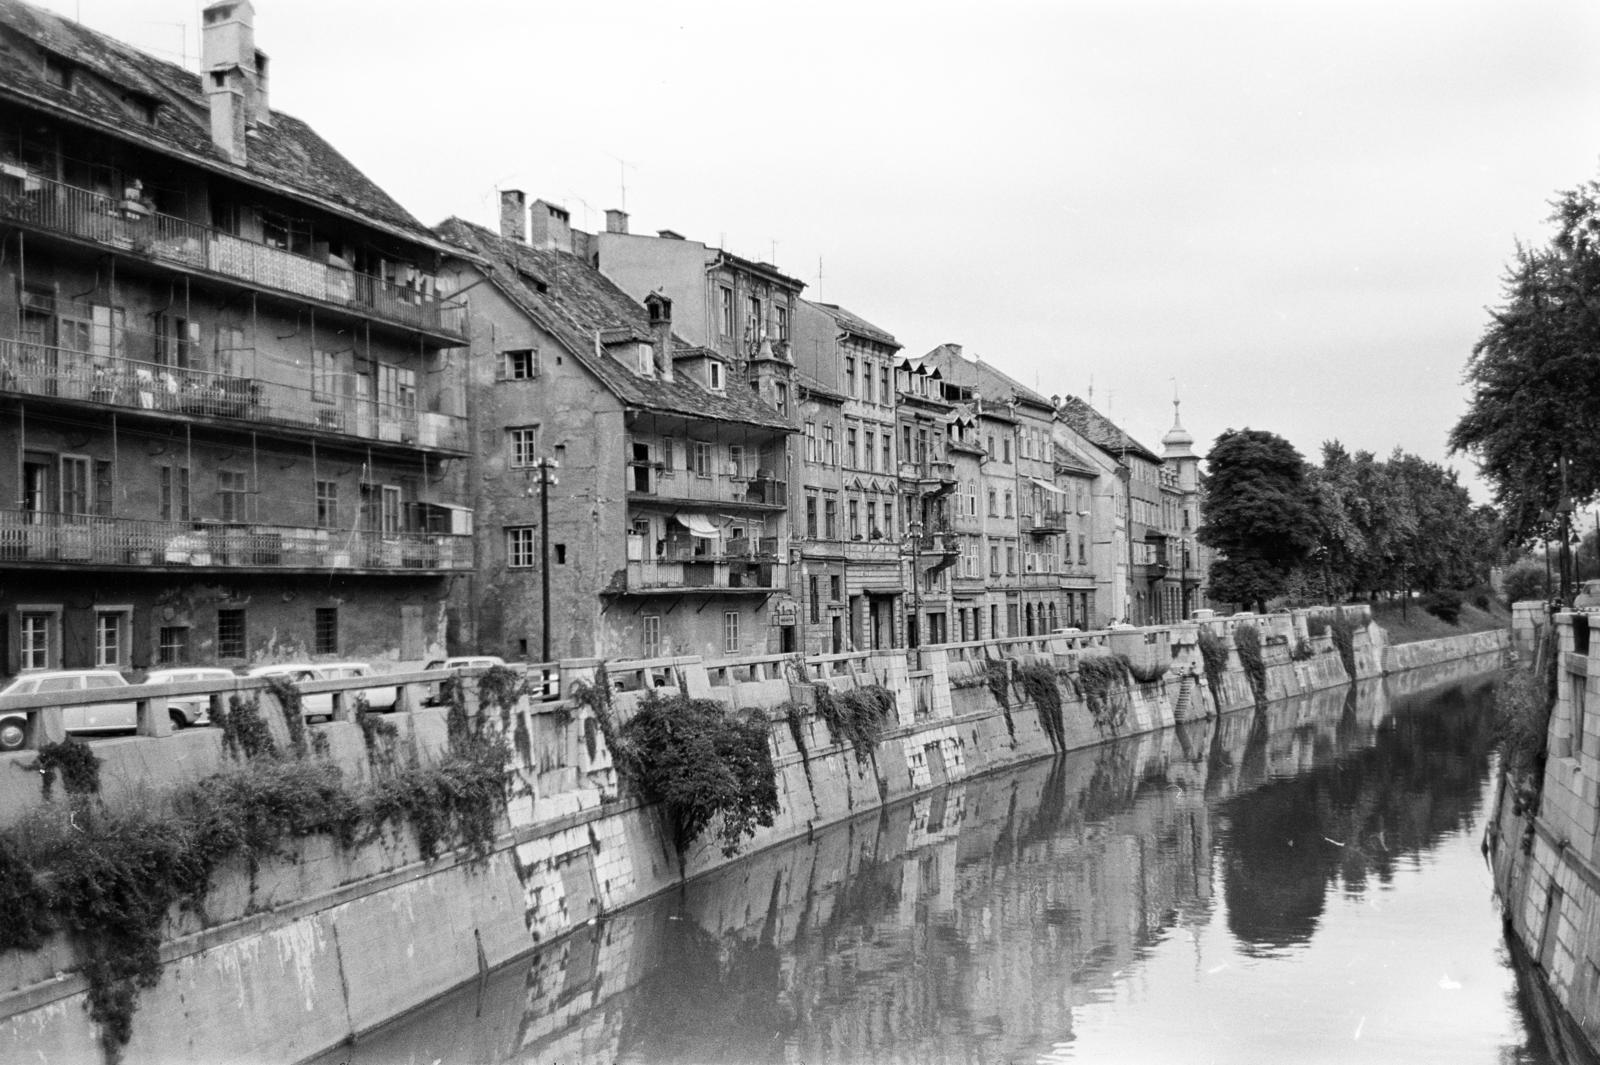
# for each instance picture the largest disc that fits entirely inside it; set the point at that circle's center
(229, 71)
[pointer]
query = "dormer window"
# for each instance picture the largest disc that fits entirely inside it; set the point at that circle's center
(714, 375)
(57, 71)
(646, 363)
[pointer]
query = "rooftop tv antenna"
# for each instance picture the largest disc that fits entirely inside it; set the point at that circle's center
(623, 166)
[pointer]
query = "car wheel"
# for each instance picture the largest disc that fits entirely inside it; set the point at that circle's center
(13, 733)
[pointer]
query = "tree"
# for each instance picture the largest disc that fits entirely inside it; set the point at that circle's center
(1533, 420)
(1258, 514)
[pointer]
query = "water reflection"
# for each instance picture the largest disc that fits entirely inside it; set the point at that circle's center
(1065, 910)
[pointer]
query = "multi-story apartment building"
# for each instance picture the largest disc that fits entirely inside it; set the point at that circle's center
(1076, 475)
(927, 476)
(1136, 561)
(668, 530)
(1188, 560)
(856, 358)
(233, 424)
(825, 518)
(969, 578)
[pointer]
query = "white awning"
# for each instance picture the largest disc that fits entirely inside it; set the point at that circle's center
(1048, 487)
(698, 525)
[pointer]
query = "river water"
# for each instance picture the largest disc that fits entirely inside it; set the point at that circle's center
(1302, 883)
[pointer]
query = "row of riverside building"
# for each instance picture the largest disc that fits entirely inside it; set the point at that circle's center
(252, 408)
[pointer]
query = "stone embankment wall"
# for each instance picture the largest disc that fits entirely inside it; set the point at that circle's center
(1398, 658)
(302, 954)
(1545, 844)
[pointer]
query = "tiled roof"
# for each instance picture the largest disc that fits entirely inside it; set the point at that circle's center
(1070, 458)
(974, 373)
(852, 323)
(816, 387)
(577, 302)
(288, 154)
(1099, 430)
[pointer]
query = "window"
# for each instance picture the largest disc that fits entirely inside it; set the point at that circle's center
(866, 380)
(730, 632)
(1005, 445)
(888, 518)
(561, 554)
(993, 510)
(650, 632)
(702, 458)
(828, 456)
(75, 485)
(725, 298)
(888, 458)
(175, 493)
(389, 512)
(835, 588)
(57, 71)
(994, 561)
(810, 433)
(1011, 559)
(397, 390)
(324, 376)
(752, 310)
(522, 443)
(521, 546)
(811, 515)
(869, 450)
(327, 504)
(644, 360)
(38, 640)
(111, 638)
(714, 370)
(853, 509)
(783, 321)
(873, 529)
(830, 518)
(521, 364)
(851, 449)
(172, 645)
(325, 630)
(1008, 504)
(232, 492)
(814, 585)
(736, 460)
(782, 394)
(883, 385)
(849, 376)
(230, 634)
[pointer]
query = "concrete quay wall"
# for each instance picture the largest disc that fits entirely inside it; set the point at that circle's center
(303, 954)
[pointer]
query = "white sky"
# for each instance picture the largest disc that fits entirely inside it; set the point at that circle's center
(1297, 211)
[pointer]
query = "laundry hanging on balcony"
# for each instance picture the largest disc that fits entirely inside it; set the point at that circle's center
(698, 525)
(1048, 487)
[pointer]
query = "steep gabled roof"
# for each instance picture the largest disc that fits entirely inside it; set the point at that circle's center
(574, 302)
(287, 155)
(1069, 458)
(1100, 430)
(994, 385)
(853, 323)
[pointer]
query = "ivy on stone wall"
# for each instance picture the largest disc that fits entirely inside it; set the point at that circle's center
(1214, 653)
(1247, 641)
(1039, 682)
(1104, 680)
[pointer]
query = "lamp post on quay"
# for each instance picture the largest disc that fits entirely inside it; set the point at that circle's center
(914, 540)
(545, 470)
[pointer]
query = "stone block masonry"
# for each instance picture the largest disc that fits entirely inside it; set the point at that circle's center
(312, 951)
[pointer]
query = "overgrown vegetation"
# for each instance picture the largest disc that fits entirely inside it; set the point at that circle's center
(74, 762)
(1144, 674)
(1039, 683)
(1104, 680)
(794, 715)
(1247, 641)
(997, 674)
(1344, 639)
(1214, 653)
(1302, 651)
(1521, 725)
(700, 762)
(108, 880)
(856, 714)
(1444, 605)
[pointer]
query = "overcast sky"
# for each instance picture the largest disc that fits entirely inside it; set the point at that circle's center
(1295, 213)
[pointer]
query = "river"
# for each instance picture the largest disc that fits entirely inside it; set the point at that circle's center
(1302, 883)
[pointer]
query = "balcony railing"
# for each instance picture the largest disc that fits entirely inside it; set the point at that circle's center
(937, 471)
(646, 479)
(87, 215)
(1045, 522)
(717, 576)
(28, 536)
(38, 370)
(704, 552)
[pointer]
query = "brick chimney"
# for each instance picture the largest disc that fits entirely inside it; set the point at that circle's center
(616, 221)
(660, 310)
(233, 75)
(514, 215)
(550, 227)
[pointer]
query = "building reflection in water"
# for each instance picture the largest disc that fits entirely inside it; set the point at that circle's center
(973, 924)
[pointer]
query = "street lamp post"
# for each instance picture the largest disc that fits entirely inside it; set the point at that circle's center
(546, 472)
(914, 536)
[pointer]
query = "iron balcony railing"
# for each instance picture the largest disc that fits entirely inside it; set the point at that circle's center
(28, 536)
(49, 205)
(1044, 522)
(940, 471)
(704, 551)
(648, 479)
(40, 370)
(719, 576)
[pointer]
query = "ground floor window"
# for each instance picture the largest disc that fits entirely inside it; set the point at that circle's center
(172, 645)
(230, 634)
(325, 634)
(40, 641)
(521, 546)
(652, 636)
(111, 638)
(730, 632)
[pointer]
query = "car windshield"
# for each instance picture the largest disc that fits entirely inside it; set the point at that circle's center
(105, 682)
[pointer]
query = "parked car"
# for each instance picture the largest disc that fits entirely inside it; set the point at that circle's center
(320, 704)
(97, 717)
(435, 696)
(189, 710)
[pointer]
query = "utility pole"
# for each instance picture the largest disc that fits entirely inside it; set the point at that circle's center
(545, 469)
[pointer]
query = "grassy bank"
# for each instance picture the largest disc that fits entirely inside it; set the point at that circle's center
(1409, 623)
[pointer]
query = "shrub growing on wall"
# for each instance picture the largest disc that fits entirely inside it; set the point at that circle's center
(856, 714)
(1039, 683)
(700, 762)
(1247, 641)
(1104, 680)
(1344, 639)
(1214, 653)
(1521, 726)
(997, 672)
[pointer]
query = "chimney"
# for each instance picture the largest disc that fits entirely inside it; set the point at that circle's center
(616, 221)
(660, 309)
(551, 227)
(260, 112)
(228, 70)
(514, 215)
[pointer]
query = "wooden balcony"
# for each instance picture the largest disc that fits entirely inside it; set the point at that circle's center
(703, 575)
(65, 374)
(85, 541)
(132, 229)
(685, 487)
